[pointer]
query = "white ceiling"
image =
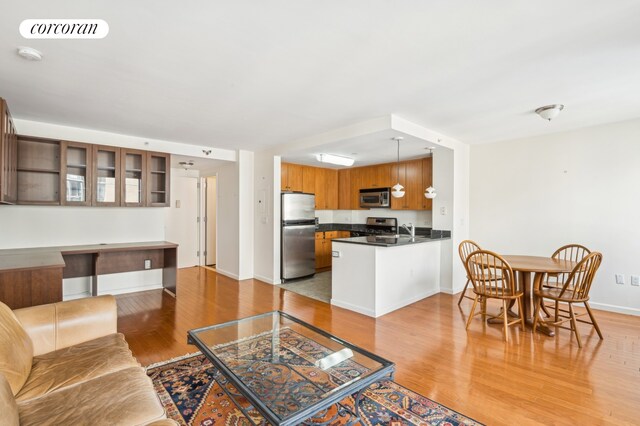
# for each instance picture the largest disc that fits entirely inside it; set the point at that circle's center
(372, 148)
(248, 74)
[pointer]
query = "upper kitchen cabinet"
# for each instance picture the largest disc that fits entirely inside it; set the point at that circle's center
(410, 176)
(77, 173)
(106, 176)
(8, 157)
(38, 171)
(291, 177)
(427, 181)
(344, 189)
(309, 179)
(133, 177)
(326, 189)
(377, 176)
(158, 179)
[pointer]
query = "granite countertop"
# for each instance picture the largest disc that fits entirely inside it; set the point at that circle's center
(356, 227)
(376, 240)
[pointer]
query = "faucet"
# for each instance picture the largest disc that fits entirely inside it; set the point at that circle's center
(410, 229)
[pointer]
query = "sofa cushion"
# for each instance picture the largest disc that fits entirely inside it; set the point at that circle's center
(16, 350)
(77, 364)
(8, 406)
(125, 397)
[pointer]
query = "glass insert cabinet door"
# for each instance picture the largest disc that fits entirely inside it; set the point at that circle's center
(77, 172)
(133, 179)
(158, 179)
(107, 176)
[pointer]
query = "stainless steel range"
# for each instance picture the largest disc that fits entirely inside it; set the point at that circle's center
(378, 226)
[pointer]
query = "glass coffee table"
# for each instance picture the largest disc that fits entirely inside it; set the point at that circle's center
(289, 371)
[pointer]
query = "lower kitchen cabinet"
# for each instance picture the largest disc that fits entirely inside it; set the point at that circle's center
(323, 247)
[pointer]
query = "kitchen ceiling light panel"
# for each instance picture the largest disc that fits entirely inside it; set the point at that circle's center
(335, 159)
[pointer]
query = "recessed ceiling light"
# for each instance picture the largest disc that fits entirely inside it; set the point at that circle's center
(29, 53)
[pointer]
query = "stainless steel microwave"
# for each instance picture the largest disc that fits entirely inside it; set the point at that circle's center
(375, 197)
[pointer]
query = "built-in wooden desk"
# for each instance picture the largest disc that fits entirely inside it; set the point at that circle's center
(33, 276)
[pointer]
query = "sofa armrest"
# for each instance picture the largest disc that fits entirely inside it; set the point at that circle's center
(63, 324)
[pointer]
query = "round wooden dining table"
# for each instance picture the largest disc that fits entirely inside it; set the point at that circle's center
(523, 267)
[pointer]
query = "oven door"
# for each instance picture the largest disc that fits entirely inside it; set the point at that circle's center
(375, 197)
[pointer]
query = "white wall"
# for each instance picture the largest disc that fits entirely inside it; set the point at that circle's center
(42, 226)
(245, 166)
(236, 217)
(420, 218)
(534, 195)
(228, 220)
(266, 227)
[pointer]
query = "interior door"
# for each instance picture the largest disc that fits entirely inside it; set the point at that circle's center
(182, 225)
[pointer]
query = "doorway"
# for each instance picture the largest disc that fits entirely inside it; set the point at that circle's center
(210, 221)
(181, 218)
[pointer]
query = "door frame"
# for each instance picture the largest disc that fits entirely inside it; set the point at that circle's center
(204, 223)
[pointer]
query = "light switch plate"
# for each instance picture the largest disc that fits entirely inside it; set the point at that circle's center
(635, 280)
(335, 253)
(620, 279)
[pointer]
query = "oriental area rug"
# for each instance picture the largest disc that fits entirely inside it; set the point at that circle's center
(190, 391)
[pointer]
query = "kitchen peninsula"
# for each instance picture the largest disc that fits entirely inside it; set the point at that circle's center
(374, 275)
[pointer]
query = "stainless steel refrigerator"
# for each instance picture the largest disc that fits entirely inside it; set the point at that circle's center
(298, 256)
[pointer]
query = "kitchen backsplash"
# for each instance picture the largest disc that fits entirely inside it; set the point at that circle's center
(420, 218)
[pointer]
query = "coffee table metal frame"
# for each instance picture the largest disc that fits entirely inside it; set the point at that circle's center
(314, 410)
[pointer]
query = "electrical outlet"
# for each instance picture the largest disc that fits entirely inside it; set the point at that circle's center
(620, 279)
(635, 280)
(443, 211)
(147, 264)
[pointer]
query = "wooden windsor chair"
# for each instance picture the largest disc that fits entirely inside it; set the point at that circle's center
(574, 290)
(465, 248)
(571, 252)
(493, 278)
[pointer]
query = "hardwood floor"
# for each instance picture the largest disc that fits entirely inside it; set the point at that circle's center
(532, 379)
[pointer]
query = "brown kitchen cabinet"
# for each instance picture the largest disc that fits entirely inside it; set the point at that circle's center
(158, 179)
(344, 189)
(76, 173)
(410, 176)
(309, 179)
(326, 189)
(8, 157)
(376, 176)
(291, 177)
(323, 248)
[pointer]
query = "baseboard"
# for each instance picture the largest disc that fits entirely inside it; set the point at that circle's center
(227, 274)
(355, 308)
(615, 308)
(113, 292)
(266, 280)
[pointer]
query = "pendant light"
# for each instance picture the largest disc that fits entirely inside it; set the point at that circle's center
(430, 192)
(398, 190)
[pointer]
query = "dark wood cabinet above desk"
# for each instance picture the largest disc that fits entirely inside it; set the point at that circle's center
(33, 276)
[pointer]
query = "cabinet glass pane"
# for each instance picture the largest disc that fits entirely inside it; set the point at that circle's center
(133, 178)
(106, 189)
(76, 174)
(106, 177)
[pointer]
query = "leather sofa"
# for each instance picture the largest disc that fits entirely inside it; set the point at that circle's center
(65, 363)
